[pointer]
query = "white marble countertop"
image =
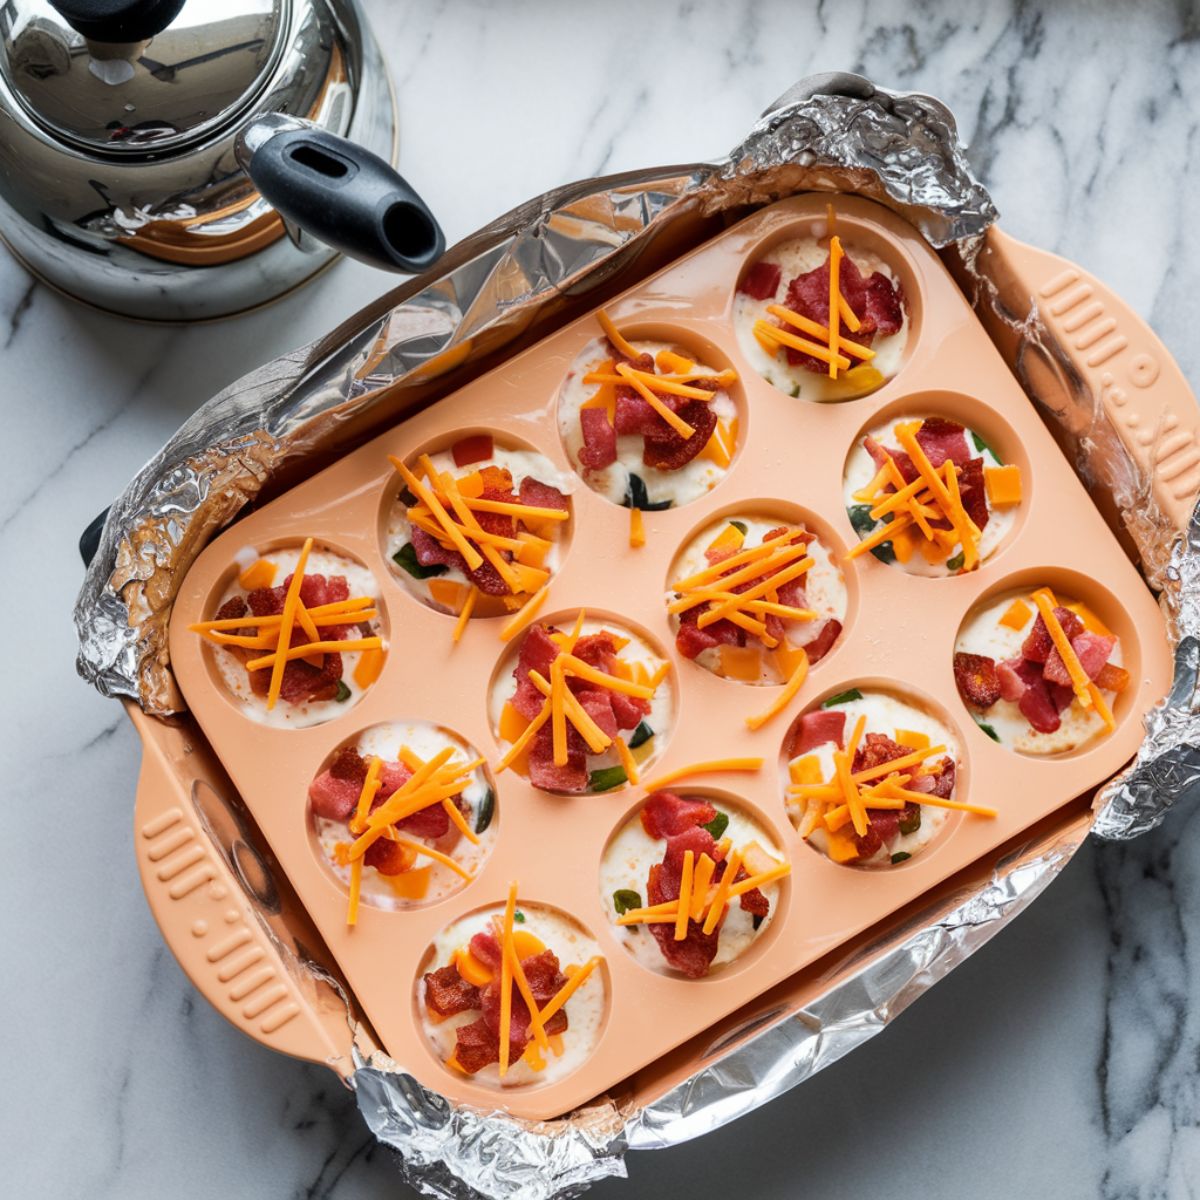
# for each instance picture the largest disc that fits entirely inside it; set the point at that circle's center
(1061, 1060)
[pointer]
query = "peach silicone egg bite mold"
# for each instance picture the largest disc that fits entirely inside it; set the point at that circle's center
(722, 741)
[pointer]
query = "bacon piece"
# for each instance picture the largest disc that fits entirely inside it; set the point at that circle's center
(599, 447)
(827, 632)
(935, 780)
(942, 440)
(390, 858)
(691, 641)
(265, 602)
(1012, 686)
(597, 650)
(754, 901)
(447, 993)
(392, 775)
(333, 798)
(634, 416)
(973, 491)
(761, 281)
(1036, 703)
(882, 831)
(976, 679)
(1091, 649)
(537, 494)
(880, 455)
(303, 682)
(877, 749)
(431, 553)
(815, 729)
(628, 710)
(485, 947)
(545, 773)
(667, 815)
(544, 977)
(597, 703)
(477, 1046)
(666, 450)
(874, 300)
(431, 822)
(643, 362)
(1038, 644)
(694, 954)
(233, 608)
(538, 651)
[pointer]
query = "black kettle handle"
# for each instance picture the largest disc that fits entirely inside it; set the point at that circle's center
(341, 194)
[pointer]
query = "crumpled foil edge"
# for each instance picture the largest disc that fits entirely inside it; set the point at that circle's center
(836, 133)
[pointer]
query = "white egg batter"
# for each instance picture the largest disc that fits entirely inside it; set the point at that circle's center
(234, 674)
(689, 482)
(982, 633)
(662, 706)
(824, 583)
(585, 1009)
(425, 741)
(884, 714)
(626, 866)
(520, 464)
(797, 257)
(861, 470)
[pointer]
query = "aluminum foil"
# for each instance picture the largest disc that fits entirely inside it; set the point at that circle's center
(503, 286)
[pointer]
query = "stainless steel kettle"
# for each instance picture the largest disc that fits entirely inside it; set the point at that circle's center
(186, 159)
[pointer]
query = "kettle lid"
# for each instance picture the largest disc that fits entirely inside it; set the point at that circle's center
(122, 77)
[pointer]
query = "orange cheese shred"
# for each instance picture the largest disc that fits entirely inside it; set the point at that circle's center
(510, 908)
(614, 335)
(685, 895)
(465, 613)
(794, 684)
(524, 615)
(290, 600)
(637, 528)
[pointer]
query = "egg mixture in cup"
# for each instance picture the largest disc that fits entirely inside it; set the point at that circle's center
(822, 314)
(755, 599)
(514, 995)
(403, 814)
(1039, 671)
(479, 528)
(872, 778)
(690, 882)
(296, 636)
(581, 707)
(644, 422)
(929, 496)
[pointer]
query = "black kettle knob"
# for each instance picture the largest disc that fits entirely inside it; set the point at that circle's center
(118, 20)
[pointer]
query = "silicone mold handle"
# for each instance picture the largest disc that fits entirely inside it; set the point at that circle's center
(341, 194)
(1105, 344)
(206, 919)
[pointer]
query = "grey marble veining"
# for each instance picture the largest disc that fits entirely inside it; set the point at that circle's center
(1063, 1060)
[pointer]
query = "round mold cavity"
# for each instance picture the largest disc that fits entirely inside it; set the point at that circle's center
(797, 247)
(445, 591)
(988, 436)
(426, 881)
(981, 633)
(629, 481)
(587, 1009)
(890, 707)
(643, 647)
(834, 587)
(225, 668)
(629, 853)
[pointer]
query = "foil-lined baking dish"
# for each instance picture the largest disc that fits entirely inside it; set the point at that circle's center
(494, 293)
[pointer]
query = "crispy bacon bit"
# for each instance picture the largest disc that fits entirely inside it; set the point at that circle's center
(537, 494)
(233, 608)
(599, 447)
(667, 815)
(877, 749)
(390, 858)
(545, 773)
(973, 489)
(816, 728)
(827, 633)
(447, 993)
(1038, 644)
(692, 641)
(761, 281)
(1091, 649)
(538, 651)
(879, 455)
(694, 954)
(486, 948)
(875, 300)
(976, 679)
(666, 450)
(942, 440)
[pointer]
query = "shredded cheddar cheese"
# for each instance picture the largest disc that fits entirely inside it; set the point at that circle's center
(290, 600)
(525, 614)
(835, 308)
(712, 767)
(506, 978)
(791, 688)
(614, 335)
(685, 895)
(1044, 599)
(672, 418)
(465, 613)
(637, 528)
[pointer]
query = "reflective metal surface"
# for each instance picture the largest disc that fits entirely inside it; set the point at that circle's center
(125, 98)
(155, 218)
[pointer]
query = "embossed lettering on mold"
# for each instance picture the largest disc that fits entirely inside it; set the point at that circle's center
(626, 450)
(505, 491)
